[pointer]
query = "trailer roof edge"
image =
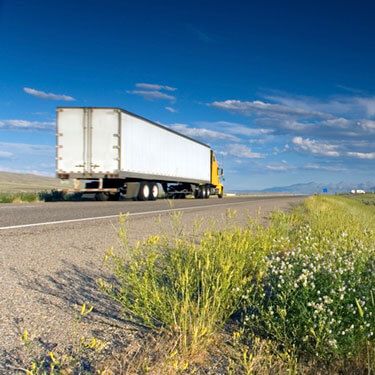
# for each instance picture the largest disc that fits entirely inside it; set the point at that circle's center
(141, 118)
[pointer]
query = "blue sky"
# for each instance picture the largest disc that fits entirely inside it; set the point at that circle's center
(283, 91)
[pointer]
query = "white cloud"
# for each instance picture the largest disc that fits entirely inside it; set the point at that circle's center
(261, 140)
(338, 122)
(362, 155)
(340, 130)
(45, 95)
(26, 124)
(330, 107)
(202, 133)
(236, 128)
(171, 109)
(368, 103)
(242, 151)
(279, 167)
(368, 125)
(26, 148)
(27, 158)
(315, 147)
(152, 95)
(261, 108)
(5, 154)
(154, 87)
(339, 117)
(324, 167)
(153, 91)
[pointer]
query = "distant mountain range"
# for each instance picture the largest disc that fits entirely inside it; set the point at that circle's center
(314, 187)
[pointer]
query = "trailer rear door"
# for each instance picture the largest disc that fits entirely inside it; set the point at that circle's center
(71, 155)
(105, 141)
(88, 141)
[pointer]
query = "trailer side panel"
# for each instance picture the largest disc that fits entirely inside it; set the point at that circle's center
(148, 149)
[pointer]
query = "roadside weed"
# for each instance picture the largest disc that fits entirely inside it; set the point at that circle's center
(76, 361)
(190, 288)
(316, 295)
(303, 287)
(19, 197)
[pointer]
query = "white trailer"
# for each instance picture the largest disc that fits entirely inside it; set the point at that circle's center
(117, 152)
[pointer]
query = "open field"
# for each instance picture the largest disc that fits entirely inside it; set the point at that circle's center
(22, 187)
(295, 296)
(21, 182)
(366, 199)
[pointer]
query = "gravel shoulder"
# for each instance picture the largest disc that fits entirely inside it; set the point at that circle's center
(48, 271)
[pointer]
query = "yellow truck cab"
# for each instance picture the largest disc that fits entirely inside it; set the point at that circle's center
(216, 173)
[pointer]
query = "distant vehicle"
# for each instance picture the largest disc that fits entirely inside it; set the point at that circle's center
(357, 191)
(114, 153)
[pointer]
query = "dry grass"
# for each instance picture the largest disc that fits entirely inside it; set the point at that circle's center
(28, 183)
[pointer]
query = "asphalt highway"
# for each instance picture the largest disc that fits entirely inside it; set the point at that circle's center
(14, 216)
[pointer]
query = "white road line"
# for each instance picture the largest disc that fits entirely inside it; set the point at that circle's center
(130, 214)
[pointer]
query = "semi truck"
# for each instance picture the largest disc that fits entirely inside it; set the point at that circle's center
(113, 153)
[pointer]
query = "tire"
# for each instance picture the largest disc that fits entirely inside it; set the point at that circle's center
(199, 193)
(204, 192)
(102, 197)
(144, 192)
(221, 194)
(154, 192)
(208, 192)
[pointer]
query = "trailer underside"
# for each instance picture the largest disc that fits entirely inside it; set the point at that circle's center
(142, 189)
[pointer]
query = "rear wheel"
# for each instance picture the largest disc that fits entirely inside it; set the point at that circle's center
(199, 193)
(208, 192)
(196, 193)
(204, 192)
(154, 193)
(144, 192)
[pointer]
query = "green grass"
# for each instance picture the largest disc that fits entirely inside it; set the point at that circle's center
(303, 285)
(190, 289)
(367, 199)
(316, 299)
(22, 187)
(30, 183)
(41, 196)
(19, 197)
